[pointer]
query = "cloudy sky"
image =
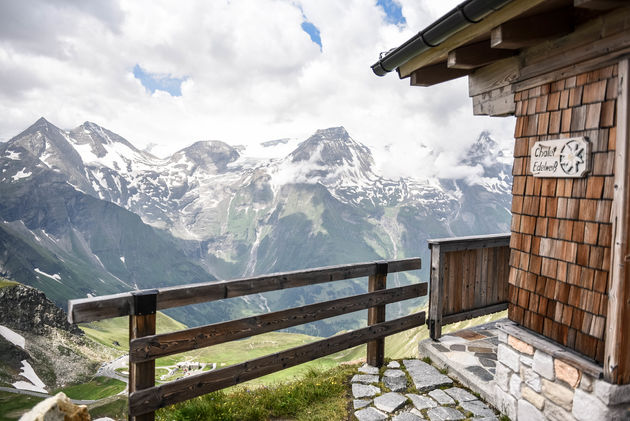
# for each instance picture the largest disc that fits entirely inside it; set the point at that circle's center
(242, 71)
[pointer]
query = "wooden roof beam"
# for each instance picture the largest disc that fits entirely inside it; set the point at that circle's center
(436, 73)
(599, 4)
(532, 30)
(475, 55)
(440, 53)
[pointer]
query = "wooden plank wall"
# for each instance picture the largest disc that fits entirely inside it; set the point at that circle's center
(473, 279)
(561, 230)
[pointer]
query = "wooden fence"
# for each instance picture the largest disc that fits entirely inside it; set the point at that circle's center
(145, 346)
(469, 278)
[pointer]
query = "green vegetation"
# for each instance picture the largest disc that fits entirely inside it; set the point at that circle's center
(6, 283)
(318, 395)
(400, 345)
(97, 388)
(14, 405)
(239, 351)
(115, 407)
(474, 322)
(115, 332)
(311, 391)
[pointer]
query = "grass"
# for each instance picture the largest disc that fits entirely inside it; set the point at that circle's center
(97, 388)
(12, 405)
(115, 408)
(6, 283)
(397, 346)
(317, 395)
(404, 344)
(291, 393)
(455, 327)
(115, 332)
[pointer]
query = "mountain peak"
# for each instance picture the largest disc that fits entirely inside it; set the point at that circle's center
(208, 154)
(34, 137)
(333, 147)
(99, 141)
(41, 123)
(333, 133)
(90, 126)
(330, 156)
(483, 151)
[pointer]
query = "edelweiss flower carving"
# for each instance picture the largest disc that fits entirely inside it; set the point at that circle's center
(572, 157)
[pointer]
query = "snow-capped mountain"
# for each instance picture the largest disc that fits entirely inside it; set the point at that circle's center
(229, 212)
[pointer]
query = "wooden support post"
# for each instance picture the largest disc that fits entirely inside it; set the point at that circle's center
(435, 293)
(617, 345)
(376, 348)
(142, 323)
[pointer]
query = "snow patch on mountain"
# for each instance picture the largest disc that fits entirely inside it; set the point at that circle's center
(23, 173)
(192, 192)
(33, 382)
(12, 155)
(11, 336)
(55, 276)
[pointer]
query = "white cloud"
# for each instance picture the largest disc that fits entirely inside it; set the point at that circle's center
(252, 74)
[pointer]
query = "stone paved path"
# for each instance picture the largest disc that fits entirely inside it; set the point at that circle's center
(411, 390)
(469, 354)
(475, 349)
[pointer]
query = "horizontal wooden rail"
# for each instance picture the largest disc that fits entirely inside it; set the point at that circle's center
(148, 400)
(155, 346)
(108, 306)
(471, 242)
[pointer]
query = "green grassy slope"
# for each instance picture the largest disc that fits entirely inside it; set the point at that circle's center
(400, 345)
(115, 332)
(315, 395)
(13, 406)
(97, 388)
(6, 283)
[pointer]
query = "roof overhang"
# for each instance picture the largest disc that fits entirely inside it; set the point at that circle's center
(479, 34)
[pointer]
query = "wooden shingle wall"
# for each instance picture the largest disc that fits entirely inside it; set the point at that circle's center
(561, 230)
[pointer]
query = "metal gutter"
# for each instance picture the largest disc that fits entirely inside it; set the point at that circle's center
(467, 13)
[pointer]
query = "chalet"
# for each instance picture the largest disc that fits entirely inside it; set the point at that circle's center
(561, 67)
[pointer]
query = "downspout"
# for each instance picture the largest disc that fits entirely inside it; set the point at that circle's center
(462, 16)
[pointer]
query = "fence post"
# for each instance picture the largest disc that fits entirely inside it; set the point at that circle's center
(376, 348)
(142, 323)
(436, 292)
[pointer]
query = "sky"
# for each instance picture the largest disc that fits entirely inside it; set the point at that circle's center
(165, 74)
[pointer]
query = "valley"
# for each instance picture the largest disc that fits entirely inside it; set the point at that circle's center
(104, 346)
(86, 213)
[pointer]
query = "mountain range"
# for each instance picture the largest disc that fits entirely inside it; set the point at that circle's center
(84, 212)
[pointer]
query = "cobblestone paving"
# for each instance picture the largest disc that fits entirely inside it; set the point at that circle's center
(475, 349)
(411, 390)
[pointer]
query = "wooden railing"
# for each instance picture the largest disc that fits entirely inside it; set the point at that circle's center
(469, 278)
(145, 346)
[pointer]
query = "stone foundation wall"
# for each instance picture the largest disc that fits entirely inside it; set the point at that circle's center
(533, 385)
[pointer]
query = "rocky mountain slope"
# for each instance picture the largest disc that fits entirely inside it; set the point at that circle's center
(35, 335)
(88, 213)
